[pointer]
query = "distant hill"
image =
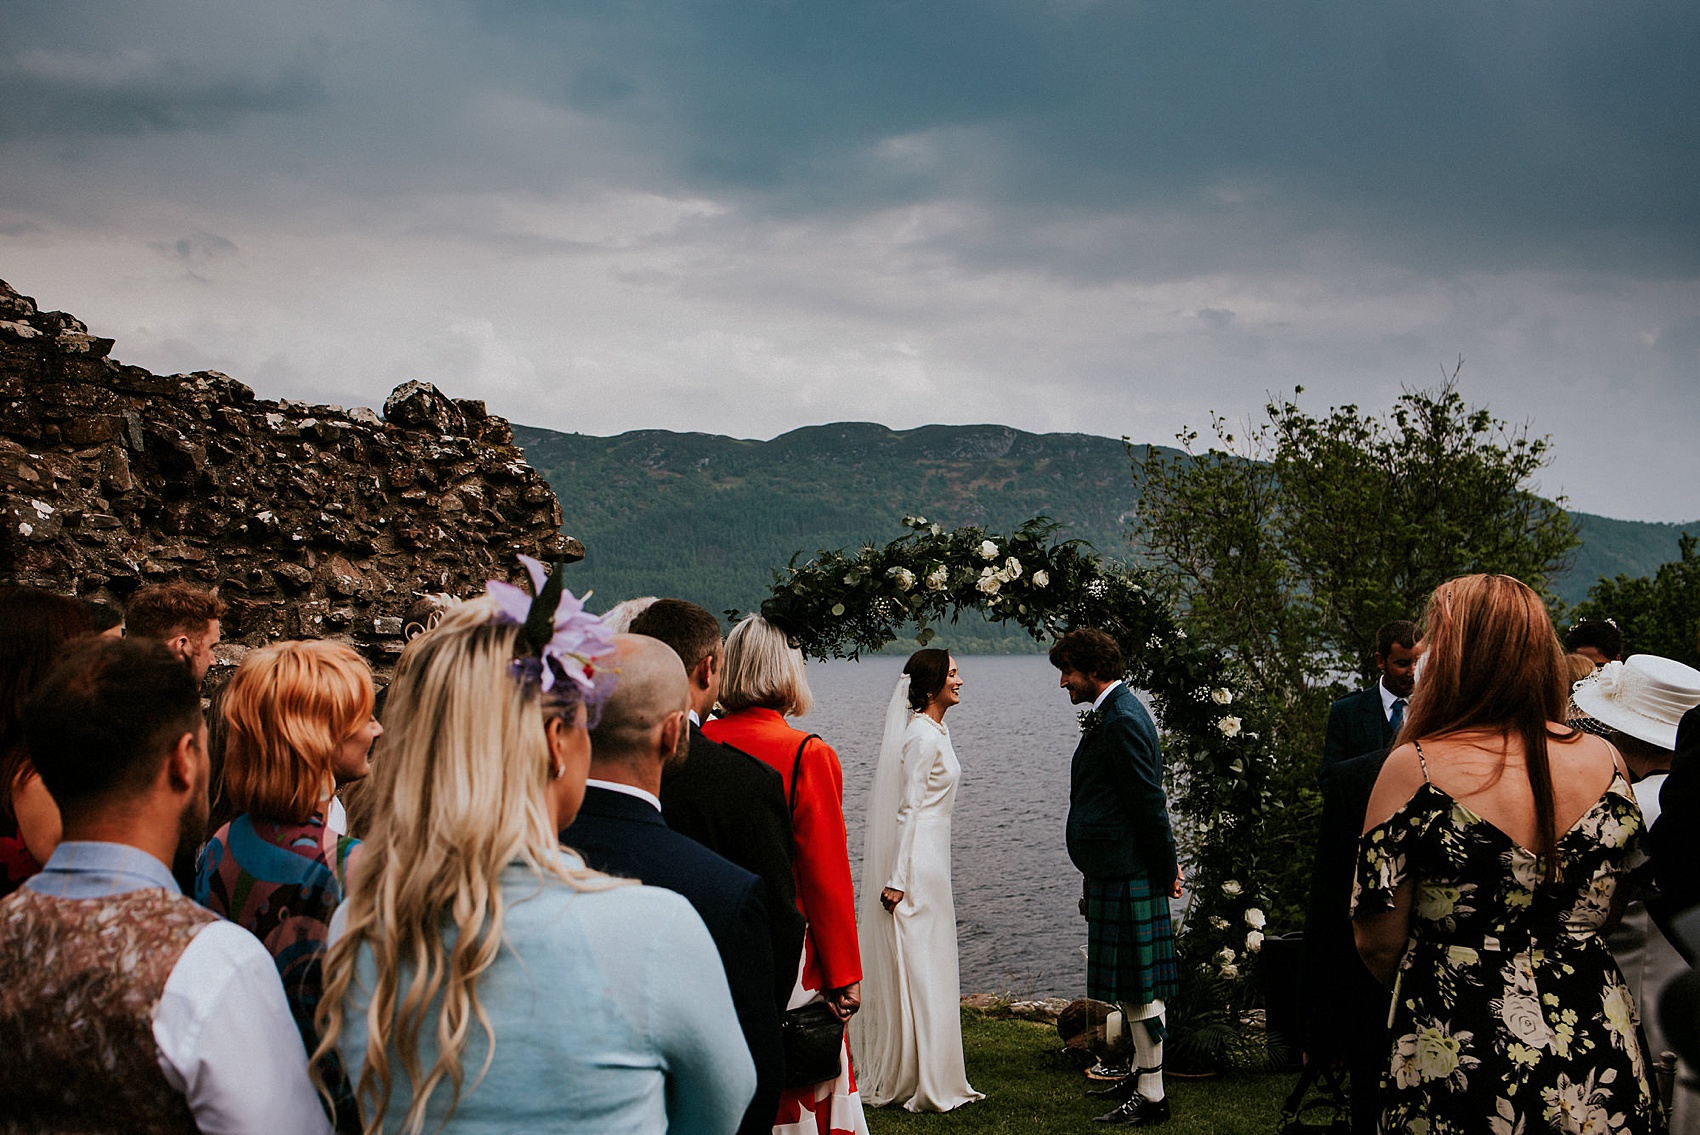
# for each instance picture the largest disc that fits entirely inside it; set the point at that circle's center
(707, 518)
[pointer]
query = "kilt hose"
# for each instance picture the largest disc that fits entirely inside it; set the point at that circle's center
(1130, 953)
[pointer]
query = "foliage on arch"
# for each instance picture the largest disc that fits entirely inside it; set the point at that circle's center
(841, 603)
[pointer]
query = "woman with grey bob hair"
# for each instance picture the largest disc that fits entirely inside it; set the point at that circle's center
(764, 682)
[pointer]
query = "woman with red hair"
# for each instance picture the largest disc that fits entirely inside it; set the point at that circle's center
(298, 722)
(1495, 846)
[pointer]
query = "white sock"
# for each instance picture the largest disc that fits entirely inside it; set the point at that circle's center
(1148, 1052)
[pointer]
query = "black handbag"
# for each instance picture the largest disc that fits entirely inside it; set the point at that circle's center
(1329, 1113)
(814, 1044)
(813, 1035)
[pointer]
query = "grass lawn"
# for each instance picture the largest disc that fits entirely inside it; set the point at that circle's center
(1031, 1088)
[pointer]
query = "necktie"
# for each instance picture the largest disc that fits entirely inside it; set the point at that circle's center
(1398, 714)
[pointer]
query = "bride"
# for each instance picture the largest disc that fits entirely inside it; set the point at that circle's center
(907, 1039)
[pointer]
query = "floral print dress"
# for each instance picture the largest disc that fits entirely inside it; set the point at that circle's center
(1509, 1016)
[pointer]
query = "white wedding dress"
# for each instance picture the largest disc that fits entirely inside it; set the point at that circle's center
(907, 1038)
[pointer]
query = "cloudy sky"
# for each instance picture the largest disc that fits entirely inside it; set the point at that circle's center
(751, 215)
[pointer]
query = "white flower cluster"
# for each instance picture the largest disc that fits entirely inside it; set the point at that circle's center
(992, 579)
(904, 577)
(1222, 696)
(1230, 726)
(938, 578)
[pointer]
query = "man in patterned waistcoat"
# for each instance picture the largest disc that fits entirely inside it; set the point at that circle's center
(124, 1006)
(1119, 837)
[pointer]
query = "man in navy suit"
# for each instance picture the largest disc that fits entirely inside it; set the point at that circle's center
(619, 829)
(1367, 720)
(1119, 837)
(726, 800)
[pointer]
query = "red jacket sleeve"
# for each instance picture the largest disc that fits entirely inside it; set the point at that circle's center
(824, 890)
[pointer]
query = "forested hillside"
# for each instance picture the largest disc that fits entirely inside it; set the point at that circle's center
(708, 518)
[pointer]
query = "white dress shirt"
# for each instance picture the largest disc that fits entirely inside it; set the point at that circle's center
(225, 1036)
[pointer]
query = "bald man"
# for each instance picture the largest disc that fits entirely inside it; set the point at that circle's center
(645, 726)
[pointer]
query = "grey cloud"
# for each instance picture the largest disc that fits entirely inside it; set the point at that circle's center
(134, 90)
(197, 248)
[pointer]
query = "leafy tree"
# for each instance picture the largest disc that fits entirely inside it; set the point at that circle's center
(1288, 545)
(1659, 614)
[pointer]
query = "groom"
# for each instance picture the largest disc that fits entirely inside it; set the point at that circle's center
(1119, 837)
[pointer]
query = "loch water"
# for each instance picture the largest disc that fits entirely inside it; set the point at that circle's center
(1019, 930)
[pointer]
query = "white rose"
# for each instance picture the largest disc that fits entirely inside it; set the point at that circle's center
(938, 578)
(988, 550)
(989, 584)
(1041, 578)
(1437, 1053)
(1225, 955)
(1012, 566)
(1230, 971)
(905, 578)
(1230, 726)
(1232, 888)
(1254, 941)
(1254, 918)
(1222, 696)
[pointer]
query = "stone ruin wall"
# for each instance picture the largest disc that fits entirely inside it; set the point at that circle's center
(309, 521)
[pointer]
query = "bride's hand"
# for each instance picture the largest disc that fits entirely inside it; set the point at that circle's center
(889, 898)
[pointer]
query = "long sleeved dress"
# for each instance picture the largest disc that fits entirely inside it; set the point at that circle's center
(909, 1033)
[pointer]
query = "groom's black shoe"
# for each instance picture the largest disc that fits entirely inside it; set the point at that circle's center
(1137, 1112)
(1122, 1089)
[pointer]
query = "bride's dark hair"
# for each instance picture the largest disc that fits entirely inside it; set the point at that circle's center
(927, 670)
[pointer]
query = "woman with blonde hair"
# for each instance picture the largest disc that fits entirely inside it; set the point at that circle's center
(1495, 844)
(297, 722)
(763, 682)
(480, 977)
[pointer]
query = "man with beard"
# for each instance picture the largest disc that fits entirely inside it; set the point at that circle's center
(645, 726)
(1119, 837)
(1369, 719)
(123, 1004)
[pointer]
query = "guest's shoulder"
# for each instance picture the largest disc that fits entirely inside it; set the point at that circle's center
(1355, 699)
(729, 763)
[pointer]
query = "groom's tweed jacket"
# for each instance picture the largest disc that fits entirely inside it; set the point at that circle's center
(1118, 819)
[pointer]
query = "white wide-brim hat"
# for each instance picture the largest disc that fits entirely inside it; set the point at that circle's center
(1644, 697)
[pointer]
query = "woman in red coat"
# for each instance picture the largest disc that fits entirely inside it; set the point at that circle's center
(762, 682)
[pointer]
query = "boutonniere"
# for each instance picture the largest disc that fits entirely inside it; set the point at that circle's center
(1089, 719)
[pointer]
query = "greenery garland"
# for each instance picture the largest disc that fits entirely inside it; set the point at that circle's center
(840, 603)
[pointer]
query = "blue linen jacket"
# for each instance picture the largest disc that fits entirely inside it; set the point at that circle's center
(1118, 817)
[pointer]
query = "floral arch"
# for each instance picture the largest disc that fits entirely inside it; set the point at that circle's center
(842, 603)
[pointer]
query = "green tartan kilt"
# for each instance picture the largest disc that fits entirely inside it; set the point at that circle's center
(1130, 952)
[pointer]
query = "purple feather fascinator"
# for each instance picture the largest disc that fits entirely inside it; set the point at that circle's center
(559, 641)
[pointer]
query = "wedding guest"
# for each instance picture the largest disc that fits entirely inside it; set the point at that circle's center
(1598, 640)
(1367, 720)
(298, 721)
(480, 977)
(35, 628)
(1639, 703)
(728, 801)
(765, 682)
(1493, 853)
(124, 1005)
(620, 830)
(184, 618)
(1119, 838)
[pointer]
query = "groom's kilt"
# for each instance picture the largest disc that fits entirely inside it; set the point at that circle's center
(1130, 954)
